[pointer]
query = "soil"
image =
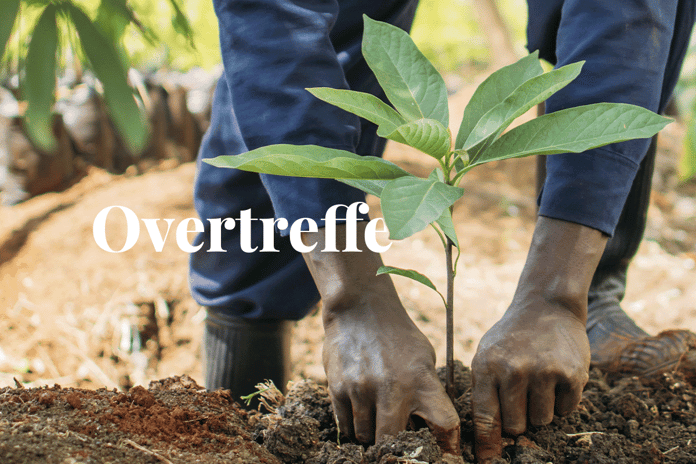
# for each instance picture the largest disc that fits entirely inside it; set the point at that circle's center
(621, 420)
(75, 315)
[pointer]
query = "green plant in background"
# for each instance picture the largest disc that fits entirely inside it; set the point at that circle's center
(64, 25)
(685, 94)
(685, 97)
(687, 162)
(420, 118)
(173, 48)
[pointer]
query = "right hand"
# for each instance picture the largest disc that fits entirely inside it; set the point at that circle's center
(380, 367)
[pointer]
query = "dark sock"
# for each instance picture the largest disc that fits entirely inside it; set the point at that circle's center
(241, 353)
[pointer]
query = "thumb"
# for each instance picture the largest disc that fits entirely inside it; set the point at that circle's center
(436, 409)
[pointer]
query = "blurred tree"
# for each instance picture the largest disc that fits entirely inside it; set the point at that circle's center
(500, 38)
(455, 33)
(39, 36)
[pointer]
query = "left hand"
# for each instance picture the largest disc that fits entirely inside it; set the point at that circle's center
(532, 363)
(536, 359)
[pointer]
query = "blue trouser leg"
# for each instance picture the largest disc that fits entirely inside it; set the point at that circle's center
(633, 52)
(272, 51)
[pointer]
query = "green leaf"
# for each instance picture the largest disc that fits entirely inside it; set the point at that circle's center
(526, 96)
(575, 130)
(181, 24)
(106, 64)
(496, 88)
(409, 80)
(113, 15)
(437, 174)
(310, 161)
(462, 160)
(445, 220)
(410, 204)
(40, 80)
(8, 13)
(447, 226)
(371, 186)
(411, 274)
(426, 135)
(363, 104)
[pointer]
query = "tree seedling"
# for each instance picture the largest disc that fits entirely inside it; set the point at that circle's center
(420, 118)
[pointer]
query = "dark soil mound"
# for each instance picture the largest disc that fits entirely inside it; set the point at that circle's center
(621, 420)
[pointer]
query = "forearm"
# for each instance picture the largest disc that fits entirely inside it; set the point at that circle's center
(344, 279)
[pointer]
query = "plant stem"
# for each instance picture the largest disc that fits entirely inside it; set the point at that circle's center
(449, 310)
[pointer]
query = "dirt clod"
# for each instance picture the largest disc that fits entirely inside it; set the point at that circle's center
(331, 453)
(74, 400)
(142, 397)
(407, 445)
(293, 439)
(47, 398)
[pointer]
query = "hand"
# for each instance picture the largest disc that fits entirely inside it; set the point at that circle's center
(532, 363)
(535, 360)
(380, 367)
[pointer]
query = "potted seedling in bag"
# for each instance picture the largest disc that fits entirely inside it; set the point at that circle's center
(420, 118)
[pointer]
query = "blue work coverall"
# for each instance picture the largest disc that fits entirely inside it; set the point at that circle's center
(273, 49)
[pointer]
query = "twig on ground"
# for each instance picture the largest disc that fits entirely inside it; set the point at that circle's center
(69, 433)
(670, 450)
(145, 450)
(570, 435)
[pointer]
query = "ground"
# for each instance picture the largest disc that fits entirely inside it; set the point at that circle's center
(78, 316)
(175, 420)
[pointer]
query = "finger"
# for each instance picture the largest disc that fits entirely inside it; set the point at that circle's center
(392, 416)
(513, 406)
(568, 397)
(363, 419)
(487, 427)
(443, 421)
(542, 399)
(344, 414)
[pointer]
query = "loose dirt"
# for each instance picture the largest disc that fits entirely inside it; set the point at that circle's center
(624, 420)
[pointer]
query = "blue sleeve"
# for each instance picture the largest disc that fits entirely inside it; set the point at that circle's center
(631, 55)
(272, 51)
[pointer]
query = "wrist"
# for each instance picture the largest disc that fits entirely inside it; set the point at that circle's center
(562, 259)
(347, 281)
